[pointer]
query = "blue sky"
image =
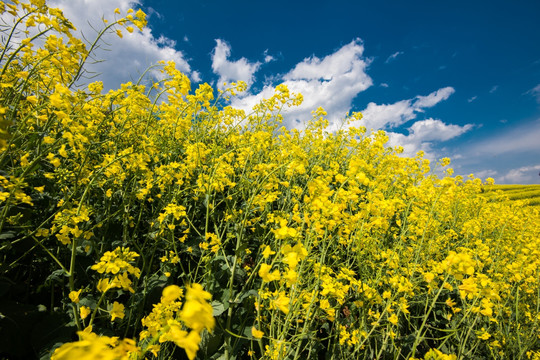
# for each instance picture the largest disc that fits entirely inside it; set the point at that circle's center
(458, 79)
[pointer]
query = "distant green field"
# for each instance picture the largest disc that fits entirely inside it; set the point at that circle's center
(509, 193)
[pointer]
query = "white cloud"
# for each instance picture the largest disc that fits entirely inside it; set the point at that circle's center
(436, 130)
(150, 11)
(125, 59)
(522, 175)
(535, 91)
(331, 82)
(267, 57)
(393, 56)
(384, 85)
(422, 135)
(472, 99)
(228, 71)
(493, 89)
(387, 115)
(434, 98)
(393, 115)
(484, 174)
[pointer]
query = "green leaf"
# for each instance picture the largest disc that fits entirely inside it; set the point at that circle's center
(219, 308)
(7, 235)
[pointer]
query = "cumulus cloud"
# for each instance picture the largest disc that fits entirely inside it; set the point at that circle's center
(387, 115)
(393, 56)
(331, 82)
(228, 71)
(436, 130)
(423, 133)
(522, 175)
(125, 59)
(381, 116)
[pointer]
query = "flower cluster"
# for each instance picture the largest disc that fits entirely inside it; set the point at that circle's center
(168, 319)
(117, 264)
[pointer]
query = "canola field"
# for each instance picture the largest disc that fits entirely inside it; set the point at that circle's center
(529, 194)
(156, 222)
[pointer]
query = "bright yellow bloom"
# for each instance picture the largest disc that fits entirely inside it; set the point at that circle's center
(197, 312)
(267, 252)
(103, 285)
(84, 311)
(117, 311)
(483, 334)
(257, 334)
(264, 273)
(282, 303)
(93, 346)
(74, 296)
(291, 276)
(393, 319)
(171, 293)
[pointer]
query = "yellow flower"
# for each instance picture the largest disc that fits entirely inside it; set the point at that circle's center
(154, 349)
(171, 293)
(393, 319)
(93, 346)
(291, 259)
(256, 333)
(267, 252)
(264, 273)
(84, 311)
(103, 285)
(32, 99)
(483, 334)
(197, 313)
(291, 276)
(189, 343)
(140, 14)
(293, 255)
(117, 311)
(429, 277)
(282, 303)
(74, 296)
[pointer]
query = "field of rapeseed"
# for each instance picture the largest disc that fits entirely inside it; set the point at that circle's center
(158, 222)
(529, 194)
